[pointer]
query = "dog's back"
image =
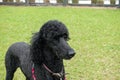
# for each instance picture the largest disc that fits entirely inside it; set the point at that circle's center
(18, 54)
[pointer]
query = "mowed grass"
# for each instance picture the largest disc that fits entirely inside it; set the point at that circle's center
(94, 33)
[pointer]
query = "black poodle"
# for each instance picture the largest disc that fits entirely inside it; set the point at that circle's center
(43, 59)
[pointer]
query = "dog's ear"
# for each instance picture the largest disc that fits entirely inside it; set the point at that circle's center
(36, 48)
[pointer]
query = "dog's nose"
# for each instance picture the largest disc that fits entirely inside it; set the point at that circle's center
(71, 53)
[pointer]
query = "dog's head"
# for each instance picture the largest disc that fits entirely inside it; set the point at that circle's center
(55, 36)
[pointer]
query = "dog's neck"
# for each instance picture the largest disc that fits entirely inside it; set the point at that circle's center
(51, 61)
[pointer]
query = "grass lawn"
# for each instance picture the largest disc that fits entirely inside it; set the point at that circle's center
(95, 36)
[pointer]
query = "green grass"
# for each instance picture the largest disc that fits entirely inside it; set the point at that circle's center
(95, 36)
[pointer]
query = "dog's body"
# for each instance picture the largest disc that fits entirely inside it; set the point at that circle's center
(18, 55)
(43, 59)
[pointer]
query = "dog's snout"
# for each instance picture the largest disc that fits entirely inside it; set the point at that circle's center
(71, 53)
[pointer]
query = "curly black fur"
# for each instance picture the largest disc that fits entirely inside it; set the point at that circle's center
(48, 46)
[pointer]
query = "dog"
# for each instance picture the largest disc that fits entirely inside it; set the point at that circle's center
(43, 58)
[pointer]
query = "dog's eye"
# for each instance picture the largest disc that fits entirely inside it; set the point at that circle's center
(66, 37)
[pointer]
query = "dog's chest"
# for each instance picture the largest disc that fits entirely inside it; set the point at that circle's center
(41, 73)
